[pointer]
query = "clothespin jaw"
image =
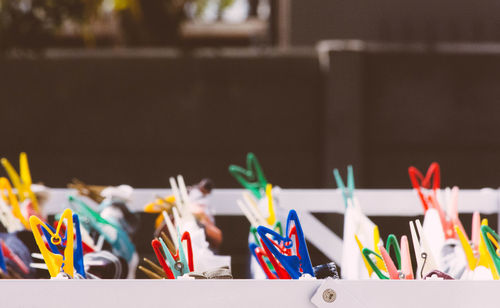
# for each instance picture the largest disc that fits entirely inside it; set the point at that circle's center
(418, 181)
(347, 192)
(491, 238)
(251, 178)
(295, 265)
(56, 262)
(21, 183)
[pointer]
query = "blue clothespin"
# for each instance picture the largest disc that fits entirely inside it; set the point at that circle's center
(347, 193)
(78, 252)
(78, 248)
(113, 234)
(295, 265)
(2, 262)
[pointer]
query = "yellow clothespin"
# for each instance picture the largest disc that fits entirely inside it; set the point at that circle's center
(368, 267)
(484, 256)
(158, 206)
(469, 253)
(55, 262)
(21, 183)
(272, 214)
(11, 198)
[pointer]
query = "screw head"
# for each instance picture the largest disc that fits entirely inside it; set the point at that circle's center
(329, 295)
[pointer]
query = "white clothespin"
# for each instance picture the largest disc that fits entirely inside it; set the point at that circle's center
(254, 207)
(7, 218)
(171, 228)
(425, 259)
(181, 197)
(253, 221)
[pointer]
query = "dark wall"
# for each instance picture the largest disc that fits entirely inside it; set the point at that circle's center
(393, 20)
(141, 116)
(412, 106)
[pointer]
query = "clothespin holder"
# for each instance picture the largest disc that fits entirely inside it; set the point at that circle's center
(418, 182)
(295, 265)
(113, 234)
(56, 262)
(21, 182)
(251, 178)
(347, 192)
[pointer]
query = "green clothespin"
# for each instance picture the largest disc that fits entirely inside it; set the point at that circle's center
(251, 178)
(367, 255)
(348, 192)
(116, 236)
(392, 241)
(485, 230)
(278, 227)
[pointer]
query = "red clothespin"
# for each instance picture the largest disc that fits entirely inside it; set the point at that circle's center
(280, 270)
(157, 248)
(187, 237)
(9, 254)
(418, 181)
(260, 253)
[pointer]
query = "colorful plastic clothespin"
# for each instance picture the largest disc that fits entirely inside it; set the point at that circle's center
(113, 234)
(347, 193)
(271, 220)
(178, 263)
(406, 266)
(251, 178)
(78, 246)
(469, 252)
(367, 253)
(295, 265)
(418, 181)
(392, 242)
(23, 182)
(3, 267)
(491, 238)
(15, 209)
(261, 256)
(389, 264)
(55, 261)
(157, 247)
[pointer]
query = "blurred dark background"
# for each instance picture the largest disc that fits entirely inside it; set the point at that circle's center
(119, 94)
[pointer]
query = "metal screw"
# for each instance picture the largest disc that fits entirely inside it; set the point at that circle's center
(329, 296)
